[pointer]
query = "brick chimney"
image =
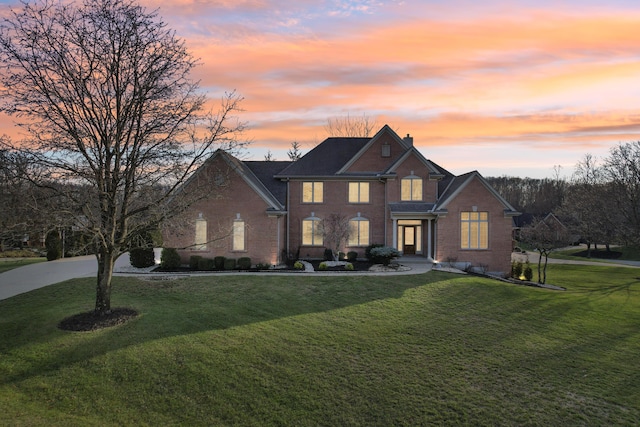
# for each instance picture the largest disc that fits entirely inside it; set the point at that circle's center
(409, 140)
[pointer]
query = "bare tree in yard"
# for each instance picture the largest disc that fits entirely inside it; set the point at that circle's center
(348, 126)
(545, 236)
(103, 89)
(622, 170)
(588, 208)
(336, 231)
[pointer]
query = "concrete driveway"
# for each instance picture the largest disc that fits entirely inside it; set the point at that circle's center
(34, 276)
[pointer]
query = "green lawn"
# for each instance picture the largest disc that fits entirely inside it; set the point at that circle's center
(7, 264)
(432, 349)
(628, 253)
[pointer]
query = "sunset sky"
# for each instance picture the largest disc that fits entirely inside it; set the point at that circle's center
(502, 87)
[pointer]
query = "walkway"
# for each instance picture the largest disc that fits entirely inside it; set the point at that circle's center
(35, 276)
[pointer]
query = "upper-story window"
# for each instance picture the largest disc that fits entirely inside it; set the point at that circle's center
(474, 230)
(312, 192)
(358, 192)
(411, 188)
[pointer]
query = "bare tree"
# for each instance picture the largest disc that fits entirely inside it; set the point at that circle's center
(545, 236)
(268, 157)
(622, 170)
(294, 153)
(336, 231)
(348, 126)
(103, 89)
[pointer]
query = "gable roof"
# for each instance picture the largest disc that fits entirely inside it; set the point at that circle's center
(458, 183)
(326, 159)
(434, 172)
(384, 130)
(265, 171)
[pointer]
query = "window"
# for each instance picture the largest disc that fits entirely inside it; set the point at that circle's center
(358, 192)
(411, 188)
(200, 243)
(238, 235)
(386, 150)
(312, 192)
(312, 232)
(474, 230)
(359, 232)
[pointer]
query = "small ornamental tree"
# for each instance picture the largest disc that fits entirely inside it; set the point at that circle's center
(336, 232)
(545, 236)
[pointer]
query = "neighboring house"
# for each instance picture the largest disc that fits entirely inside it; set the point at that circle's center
(383, 185)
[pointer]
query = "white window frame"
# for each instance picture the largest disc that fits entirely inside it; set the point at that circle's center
(361, 190)
(474, 230)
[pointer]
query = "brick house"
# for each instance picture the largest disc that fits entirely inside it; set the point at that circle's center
(390, 193)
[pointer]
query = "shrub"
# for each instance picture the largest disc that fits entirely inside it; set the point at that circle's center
(194, 261)
(229, 263)
(516, 270)
(298, 265)
(348, 266)
(367, 251)
(328, 254)
(528, 273)
(142, 257)
(244, 263)
(383, 254)
(262, 266)
(54, 245)
(352, 256)
(219, 262)
(323, 266)
(169, 259)
(206, 264)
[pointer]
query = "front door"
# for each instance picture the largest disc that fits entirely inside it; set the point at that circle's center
(409, 240)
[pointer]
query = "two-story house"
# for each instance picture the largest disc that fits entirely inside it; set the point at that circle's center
(387, 190)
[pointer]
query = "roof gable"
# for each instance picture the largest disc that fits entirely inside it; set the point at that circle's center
(434, 171)
(260, 180)
(458, 184)
(384, 133)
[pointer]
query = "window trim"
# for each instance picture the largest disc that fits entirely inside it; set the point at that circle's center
(359, 243)
(316, 232)
(237, 223)
(480, 234)
(200, 232)
(366, 192)
(411, 179)
(317, 194)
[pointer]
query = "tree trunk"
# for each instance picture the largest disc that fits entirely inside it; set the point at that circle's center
(106, 262)
(539, 264)
(544, 270)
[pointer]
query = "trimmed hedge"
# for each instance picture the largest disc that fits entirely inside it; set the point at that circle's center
(229, 263)
(244, 263)
(142, 257)
(169, 259)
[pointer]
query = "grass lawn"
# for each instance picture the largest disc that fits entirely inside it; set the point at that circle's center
(7, 264)
(304, 350)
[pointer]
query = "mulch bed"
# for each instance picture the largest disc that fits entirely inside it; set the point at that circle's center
(91, 321)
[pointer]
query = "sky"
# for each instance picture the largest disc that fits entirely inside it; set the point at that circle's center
(503, 87)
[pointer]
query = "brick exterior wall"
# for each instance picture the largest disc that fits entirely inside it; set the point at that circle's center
(264, 237)
(335, 200)
(498, 256)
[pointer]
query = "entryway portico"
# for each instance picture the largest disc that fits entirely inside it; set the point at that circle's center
(413, 226)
